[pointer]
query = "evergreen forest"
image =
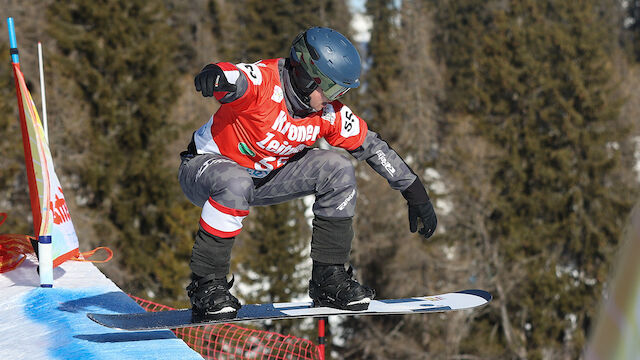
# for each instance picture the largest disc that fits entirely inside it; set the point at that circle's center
(520, 117)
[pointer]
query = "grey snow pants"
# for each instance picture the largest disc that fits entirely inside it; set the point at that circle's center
(226, 191)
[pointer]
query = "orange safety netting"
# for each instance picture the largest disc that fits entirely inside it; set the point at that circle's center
(84, 256)
(13, 248)
(232, 342)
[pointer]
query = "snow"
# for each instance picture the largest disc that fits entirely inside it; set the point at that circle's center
(357, 5)
(577, 276)
(41, 323)
(360, 23)
(436, 185)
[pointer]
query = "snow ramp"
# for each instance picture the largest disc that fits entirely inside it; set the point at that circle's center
(51, 323)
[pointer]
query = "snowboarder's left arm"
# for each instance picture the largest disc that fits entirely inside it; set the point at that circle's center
(350, 132)
(386, 162)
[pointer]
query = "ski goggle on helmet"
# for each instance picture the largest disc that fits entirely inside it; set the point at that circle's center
(329, 60)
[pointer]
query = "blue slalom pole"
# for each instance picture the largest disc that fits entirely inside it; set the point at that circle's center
(12, 41)
(45, 257)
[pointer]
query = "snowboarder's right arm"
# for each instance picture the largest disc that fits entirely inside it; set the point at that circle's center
(222, 81)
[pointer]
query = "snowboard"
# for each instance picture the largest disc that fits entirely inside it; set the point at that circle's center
(173, 319)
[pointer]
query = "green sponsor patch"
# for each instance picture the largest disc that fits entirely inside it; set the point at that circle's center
(245, 149)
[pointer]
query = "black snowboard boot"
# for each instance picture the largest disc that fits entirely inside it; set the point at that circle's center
(334, 286)
(211, 299)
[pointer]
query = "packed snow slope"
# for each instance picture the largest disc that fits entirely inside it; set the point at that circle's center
(41, 323)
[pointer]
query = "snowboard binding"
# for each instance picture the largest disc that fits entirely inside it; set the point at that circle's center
(333, 286)
(211, 299)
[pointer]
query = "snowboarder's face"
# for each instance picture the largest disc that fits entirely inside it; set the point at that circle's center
(317, 99)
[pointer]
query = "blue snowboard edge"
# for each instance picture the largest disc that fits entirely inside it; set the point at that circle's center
(481, 293)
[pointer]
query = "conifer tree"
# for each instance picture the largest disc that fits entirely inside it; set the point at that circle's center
(270, 27)
(384, 79)
(119, 55)
(631, 27)
(374, 247)
(400, 93)
(533, 78)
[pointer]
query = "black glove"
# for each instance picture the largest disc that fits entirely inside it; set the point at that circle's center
(211, 79)
(420, 207)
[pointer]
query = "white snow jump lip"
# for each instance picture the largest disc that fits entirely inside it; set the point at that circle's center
(465, 299)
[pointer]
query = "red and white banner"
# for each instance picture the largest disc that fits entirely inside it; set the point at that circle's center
(49, 208)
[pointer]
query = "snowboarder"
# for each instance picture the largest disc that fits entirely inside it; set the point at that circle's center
(255, 150)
